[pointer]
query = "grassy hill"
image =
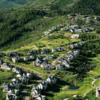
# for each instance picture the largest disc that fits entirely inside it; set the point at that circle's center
(13, 3)
(27, 23)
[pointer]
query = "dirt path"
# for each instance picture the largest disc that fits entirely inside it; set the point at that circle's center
(28, 69)
(53, 63)
(94, 80)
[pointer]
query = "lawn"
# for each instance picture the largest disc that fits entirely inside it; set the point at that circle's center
(5, 76)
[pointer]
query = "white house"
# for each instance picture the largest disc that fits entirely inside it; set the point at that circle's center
(75, 36)
(98, 91)
(15, 59)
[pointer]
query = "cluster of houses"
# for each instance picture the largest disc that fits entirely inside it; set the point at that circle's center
(36, 91)
(10, 54)
(71, 28)
(82, 30)
(64, 63)
(54, 28)
(25, 58)
(76, 45)
(12, 89)
(43, 63)
(57, 49)
(31, 52)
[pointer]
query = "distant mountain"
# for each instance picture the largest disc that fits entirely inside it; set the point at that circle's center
(13, 3)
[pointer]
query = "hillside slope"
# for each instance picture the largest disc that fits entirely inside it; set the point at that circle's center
(27, 24)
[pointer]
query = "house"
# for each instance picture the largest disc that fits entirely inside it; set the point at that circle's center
(46, 66)
(15, 59)
(72, 30)
(66, 64)
(75, 36)
(57, 49)
(39, 59)
(66, 28)
(16, 70)
(47, 32)
(60, 60)
(5, 87)
(12, 54)
(24, 78)
(54, 28)
(89, 29)
(76, 53)
(49, 56)
(35, 93)
(43, 85)
(76, 45)
(32, 52)
(41, 97)
(14, 79)
(44, 51)
(11, 96)
(18, 75)
(15, 84)
(71, 46)
(74, 26)
(97, 18)
(68, 59)
(79, 30)
(35, 63)
(14, 91)
(29, 75)
(43, 64)
(28, 58)
(88, 20)
(32, 57)
(6, 66)
(98, 91)
(51, 79)
(59, 67)
(1, 54)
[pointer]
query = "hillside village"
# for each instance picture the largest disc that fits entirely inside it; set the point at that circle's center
(54, 61)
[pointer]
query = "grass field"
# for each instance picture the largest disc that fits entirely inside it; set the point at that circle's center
(4, 77)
